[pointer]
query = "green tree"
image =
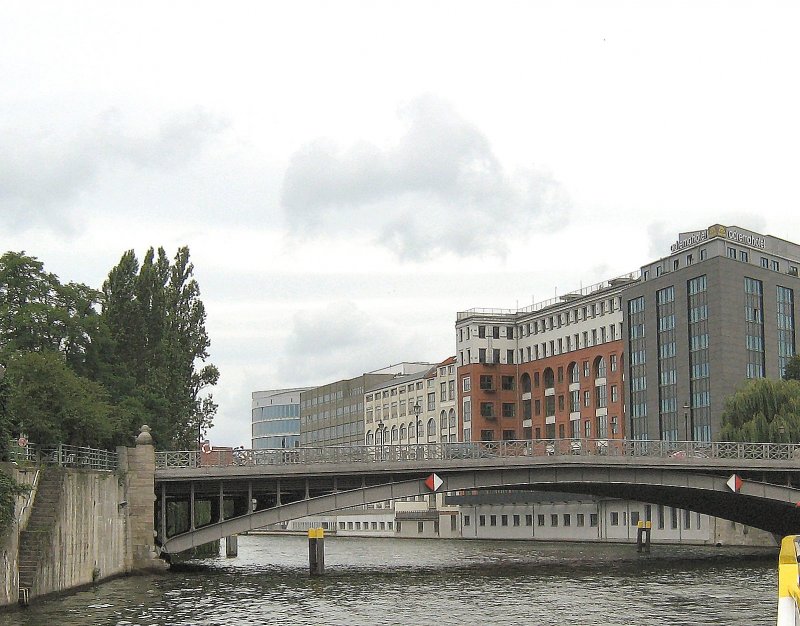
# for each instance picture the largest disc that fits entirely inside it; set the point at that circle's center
(157, 325)
(763, 410)
(792, 368)
(38, 313)
(9, 490)
(52, 404)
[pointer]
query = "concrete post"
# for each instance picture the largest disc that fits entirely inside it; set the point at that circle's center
(232, 545)
(140, 484)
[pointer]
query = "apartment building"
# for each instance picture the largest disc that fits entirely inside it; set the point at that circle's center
(390, 407)
(333, 414)
(552, 370)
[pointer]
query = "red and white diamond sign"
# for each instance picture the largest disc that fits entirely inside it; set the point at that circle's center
(734, 483)
(433, 482)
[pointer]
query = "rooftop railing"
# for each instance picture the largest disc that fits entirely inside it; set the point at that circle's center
(674, 451)
(563, 300)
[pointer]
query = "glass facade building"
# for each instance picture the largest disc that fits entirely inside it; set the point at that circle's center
(275, 419)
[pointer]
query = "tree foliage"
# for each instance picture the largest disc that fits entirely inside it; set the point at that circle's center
(9, 490)
(90, 367)
(763, 410)
(792, 368)
(157, 323)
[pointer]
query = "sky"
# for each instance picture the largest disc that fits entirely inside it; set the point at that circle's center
(350, 175)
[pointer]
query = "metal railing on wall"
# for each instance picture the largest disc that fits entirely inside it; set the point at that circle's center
(675, 451)
(62, 455)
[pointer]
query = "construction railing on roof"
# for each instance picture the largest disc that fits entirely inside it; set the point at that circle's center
(558, 300)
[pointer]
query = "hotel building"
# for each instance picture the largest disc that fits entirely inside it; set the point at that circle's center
(720, 309)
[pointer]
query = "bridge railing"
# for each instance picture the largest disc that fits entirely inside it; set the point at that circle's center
(63, 455)
(672, 450)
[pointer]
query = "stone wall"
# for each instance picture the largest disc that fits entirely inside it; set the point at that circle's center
(9, 541)
(103, 524)
(89, 539)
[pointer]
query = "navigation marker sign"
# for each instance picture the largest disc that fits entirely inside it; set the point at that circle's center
(433, 482)
(734, 483)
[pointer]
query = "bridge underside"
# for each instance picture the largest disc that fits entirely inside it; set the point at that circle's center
(240, 504)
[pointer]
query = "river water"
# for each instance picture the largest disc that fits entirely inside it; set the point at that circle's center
(415, 582)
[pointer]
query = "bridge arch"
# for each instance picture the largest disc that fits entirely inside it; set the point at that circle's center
(761, 505)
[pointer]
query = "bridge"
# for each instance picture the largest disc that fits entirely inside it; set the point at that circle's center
(250, 489)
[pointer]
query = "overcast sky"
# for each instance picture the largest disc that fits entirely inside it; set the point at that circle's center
(349, 175)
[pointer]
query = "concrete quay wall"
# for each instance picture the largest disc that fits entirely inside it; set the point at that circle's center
(9, 540)
(94, 525)
(89, 538)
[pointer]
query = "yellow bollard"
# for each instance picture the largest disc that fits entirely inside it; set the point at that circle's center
(788, 590)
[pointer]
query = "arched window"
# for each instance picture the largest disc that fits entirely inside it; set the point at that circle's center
(443, 420)
(573, 373)
(599, 367)
(370, 438)
(402, 432)
(394, 433)
(411, 431)
(431, 427)
(452, 418)
(549, 378)
(526, 383)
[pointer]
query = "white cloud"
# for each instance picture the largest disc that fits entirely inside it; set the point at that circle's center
(45, 170)
(439, 189)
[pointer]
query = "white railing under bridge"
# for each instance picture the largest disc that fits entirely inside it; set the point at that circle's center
(673, 450)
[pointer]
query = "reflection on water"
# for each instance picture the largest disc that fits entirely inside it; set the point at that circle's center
(415, 582)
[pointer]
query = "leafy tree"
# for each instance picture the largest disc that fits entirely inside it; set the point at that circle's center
(157, 325)
(52, 404)
(38, 313)
(763, 410)
(792, 368)
(9, 490)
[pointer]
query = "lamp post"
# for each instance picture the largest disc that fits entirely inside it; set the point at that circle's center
(416, 408)
(379, 430)
(686, 410)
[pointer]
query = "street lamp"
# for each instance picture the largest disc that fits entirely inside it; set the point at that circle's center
(687, 408)
(379, 427)
(416, 408)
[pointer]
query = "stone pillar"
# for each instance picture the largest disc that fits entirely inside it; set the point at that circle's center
(232, 545)
(141, 503)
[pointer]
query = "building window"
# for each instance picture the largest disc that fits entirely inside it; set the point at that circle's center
(540, 520)
(482, 520)
(553, 519)
(593, 520)
(516, 520)
(504, 520)
(466, 520)
(493, 520)
(579, 519)
(614, 518)
(529, 520)
(567, 519)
